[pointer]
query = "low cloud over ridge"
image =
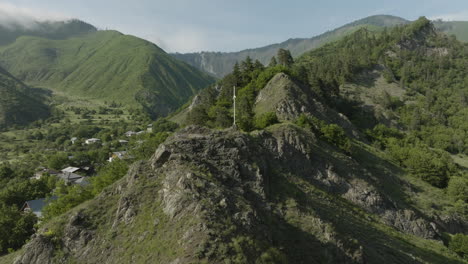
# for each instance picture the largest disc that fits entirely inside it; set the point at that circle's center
(14, 16)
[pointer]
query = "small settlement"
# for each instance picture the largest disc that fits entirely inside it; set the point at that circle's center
(76, 175)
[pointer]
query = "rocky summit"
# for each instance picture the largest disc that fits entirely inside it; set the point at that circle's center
(231, 197)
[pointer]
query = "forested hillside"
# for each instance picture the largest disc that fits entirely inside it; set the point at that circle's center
(220, 63)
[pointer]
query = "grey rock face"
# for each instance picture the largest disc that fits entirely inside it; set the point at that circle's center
(39, 250)
(212, 176)
(409, 222)
(289, 99)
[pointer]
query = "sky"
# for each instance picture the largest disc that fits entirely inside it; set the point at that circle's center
(221, 25)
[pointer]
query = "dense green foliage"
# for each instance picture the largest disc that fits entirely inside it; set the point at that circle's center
(265, 120)
(331, 133)
(15, 228)
(459, 244)
(215, 109)
(430, 67)
(458, 188)
(285, 58)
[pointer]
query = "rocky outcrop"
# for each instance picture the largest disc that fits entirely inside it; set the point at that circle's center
(226, 195)
(407, 221)
(39, 250)
(289, 99)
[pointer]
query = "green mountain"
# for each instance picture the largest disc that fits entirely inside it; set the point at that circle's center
(105, 65)
(49, 29)
(220, 63)
(19, 104)
(344, 156)
(457, 28)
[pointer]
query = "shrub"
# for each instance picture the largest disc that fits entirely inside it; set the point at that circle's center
(429, 165)
(459, 244)
(458, 188)
(15, 228)
(108, 175)
(336, 135)
(57, 161)
(331, 133)
(265, 120)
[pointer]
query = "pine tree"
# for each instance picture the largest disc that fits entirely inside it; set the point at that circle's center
(247, 65)
(258, 65)
(285, 58)
(273, 62)
(237, 75)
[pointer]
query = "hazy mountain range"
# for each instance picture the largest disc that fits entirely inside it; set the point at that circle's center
(220, 63)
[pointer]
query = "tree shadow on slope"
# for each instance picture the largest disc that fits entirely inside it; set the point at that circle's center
(351, 227)
(368, 78)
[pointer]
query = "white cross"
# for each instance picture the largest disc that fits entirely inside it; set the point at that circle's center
(234, 99)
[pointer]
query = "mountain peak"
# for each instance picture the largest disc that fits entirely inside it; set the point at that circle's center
(46, 29)
(380, 20)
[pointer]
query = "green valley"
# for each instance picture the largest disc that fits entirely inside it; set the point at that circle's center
(105, 66)
(351, 147)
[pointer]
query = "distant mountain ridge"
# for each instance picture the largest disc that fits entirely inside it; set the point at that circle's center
(221, 63)
(102, 65)
(47, 29)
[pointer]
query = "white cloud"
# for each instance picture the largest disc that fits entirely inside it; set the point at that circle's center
(459, 16)
(183, 39)
(13, 15)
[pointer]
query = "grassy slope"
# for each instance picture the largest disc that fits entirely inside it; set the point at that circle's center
(105, 65)
(49, 29)
(18, 103)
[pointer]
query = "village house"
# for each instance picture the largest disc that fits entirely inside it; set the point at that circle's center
(38, 175)
(130, 133)
(36, 206)
(122, 155)
(71, 170)
(92, 141)
(71, 178)
(149, 128)
(69, 175)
